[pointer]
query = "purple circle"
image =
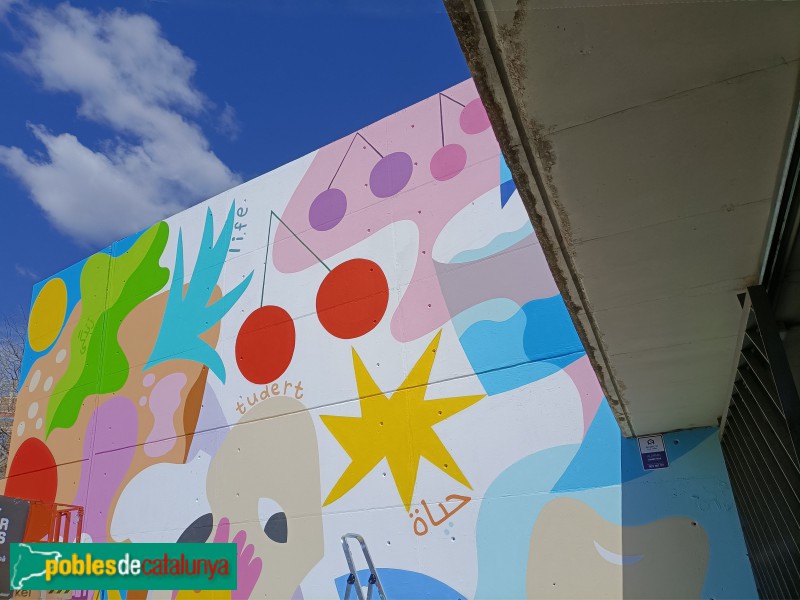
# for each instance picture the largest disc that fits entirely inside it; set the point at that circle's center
(473, 117)
(390, 174)
(327, 209)
(448, 162)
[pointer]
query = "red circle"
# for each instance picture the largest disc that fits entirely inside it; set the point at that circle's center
(352, 298)
(33, 474)
(265, 344)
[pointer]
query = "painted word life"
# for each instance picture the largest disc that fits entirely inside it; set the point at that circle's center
(269, 390)
(239, 226)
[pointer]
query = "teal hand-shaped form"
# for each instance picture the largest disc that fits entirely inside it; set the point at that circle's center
(188, 314)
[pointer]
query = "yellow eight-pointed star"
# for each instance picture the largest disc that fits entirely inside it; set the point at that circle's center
(399, 428)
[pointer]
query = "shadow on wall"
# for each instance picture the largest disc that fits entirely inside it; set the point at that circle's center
(589, 521)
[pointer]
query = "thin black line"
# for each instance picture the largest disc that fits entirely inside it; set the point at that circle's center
(266, 258)
(342, 162)
(451, 100)
(299, 240)
(441, 118)
(370, 145)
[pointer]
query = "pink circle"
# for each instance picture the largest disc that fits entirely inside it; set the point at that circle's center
(149, 380)
(474, 118)
(448, 162)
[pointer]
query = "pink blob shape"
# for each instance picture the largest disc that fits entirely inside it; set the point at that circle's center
(115, 424)
(473, 117)
(448, 161)
(149, 380)
(585, 380)
(164, 401)
(142, 400)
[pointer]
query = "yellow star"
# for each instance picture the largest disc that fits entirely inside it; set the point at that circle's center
(399, 429)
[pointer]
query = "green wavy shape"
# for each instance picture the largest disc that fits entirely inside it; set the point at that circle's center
(110, 289)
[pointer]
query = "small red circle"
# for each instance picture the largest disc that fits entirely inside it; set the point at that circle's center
(352, 298)
(265, 344)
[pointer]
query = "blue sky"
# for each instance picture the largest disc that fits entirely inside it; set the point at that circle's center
(118, 114)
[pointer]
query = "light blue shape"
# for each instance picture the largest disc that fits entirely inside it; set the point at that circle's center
(606, 458)
(187, 316)
(537, 341)
(507, 186)
(497, 245)
(506, 517)
(505, 172)
(597, 463)
(399, 584)
(695, 486)
(495, 309)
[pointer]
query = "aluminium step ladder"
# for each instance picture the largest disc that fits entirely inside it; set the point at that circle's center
(352, 579)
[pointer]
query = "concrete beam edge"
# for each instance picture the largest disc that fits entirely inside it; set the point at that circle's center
(469, 20)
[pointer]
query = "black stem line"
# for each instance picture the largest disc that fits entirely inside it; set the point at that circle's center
(299, 240)
(441, 118)
(266, 258)
(342, 161)
(451, 100)
(370, 145)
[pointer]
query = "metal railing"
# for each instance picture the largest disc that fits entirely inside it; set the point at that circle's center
(761, 444)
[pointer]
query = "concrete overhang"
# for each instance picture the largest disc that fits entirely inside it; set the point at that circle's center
(647, 140)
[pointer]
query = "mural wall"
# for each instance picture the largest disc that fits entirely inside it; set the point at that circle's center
(365, 340)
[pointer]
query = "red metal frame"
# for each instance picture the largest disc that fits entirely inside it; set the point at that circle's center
(53, 522)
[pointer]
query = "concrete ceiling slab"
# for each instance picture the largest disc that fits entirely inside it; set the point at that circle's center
(686, 155)
(646, 140)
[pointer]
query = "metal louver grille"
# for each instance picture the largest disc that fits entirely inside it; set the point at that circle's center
(760, 441)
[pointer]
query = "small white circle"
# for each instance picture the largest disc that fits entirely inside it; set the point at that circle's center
(48, 383)
(35, 380)
(21, 428)
(39, 423)
(33, 409)
(62, 354)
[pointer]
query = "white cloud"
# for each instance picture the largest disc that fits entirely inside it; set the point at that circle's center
(26, 272)
(129, 78)
(5, 5)
(228, 124)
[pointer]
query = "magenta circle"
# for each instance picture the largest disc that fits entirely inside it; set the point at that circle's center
(390, 174)
(473, 117)
(448, 162)
(327, 209)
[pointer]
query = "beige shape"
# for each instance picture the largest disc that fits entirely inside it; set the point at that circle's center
(575, 553)
(271, 453)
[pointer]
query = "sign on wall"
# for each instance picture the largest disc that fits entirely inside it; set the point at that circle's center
(654, 454)
(13, 519)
